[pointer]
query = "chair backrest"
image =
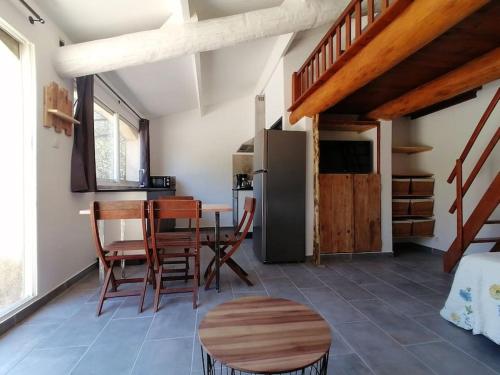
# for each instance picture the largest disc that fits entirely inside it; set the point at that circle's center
(247, 218)
(118, 210)
(176, 198)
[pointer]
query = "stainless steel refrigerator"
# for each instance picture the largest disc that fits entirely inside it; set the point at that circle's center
(279, 184)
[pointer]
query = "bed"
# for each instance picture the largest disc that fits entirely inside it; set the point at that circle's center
(474, 300)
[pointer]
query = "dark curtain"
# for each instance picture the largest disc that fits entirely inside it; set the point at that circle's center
(83, 176)
(144, 162)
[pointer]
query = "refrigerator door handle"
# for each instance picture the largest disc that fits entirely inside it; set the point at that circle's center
(259, 171)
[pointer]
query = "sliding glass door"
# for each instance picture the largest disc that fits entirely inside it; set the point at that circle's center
(18, 181)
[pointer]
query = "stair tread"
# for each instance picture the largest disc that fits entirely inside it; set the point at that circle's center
(485, 239)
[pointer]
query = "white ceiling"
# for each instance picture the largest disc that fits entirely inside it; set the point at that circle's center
(169, 86)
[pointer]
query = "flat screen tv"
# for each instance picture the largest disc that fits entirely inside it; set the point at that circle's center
(345, 157)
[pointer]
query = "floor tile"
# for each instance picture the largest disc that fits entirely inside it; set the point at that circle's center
(346, 288)
(397, 299)
(165, 357)
(382, 354)
(339, 345)
(19, 341)
(177, 318)
(444, 359)
(116, 348)
(349, 364)
(353, 273)
(405, 285)
(300, 276)
(333, 308)
(61, 308)
(82, 328)
(477, 346)
(55, 361)
(398, 326)
(129, 307)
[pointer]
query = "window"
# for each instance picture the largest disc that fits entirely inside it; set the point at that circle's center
(117, 150)
(17, 160)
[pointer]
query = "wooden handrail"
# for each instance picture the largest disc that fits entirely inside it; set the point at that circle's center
(484, 118)
(484, 156)
(328, 56)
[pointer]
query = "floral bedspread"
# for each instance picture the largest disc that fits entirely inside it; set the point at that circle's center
(474, 300)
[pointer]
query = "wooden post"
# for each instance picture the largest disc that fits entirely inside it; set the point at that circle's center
(378, 148)
(460, 217)
(358, 19)
(316, 237)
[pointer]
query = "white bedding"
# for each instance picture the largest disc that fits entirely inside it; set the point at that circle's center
(474, 300)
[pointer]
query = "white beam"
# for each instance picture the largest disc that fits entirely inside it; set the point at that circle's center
(280, 49)
(198, 82)
(181, 40)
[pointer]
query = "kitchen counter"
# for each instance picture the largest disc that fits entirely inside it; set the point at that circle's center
(122, 189)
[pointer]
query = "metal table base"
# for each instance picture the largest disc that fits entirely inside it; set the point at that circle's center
(213, 367)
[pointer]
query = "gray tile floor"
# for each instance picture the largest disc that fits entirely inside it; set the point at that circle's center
(384, 314)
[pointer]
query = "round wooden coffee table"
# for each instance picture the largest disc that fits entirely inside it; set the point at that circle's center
(263, 335)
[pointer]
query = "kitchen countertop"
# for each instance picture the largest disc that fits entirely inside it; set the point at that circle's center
(120, 189)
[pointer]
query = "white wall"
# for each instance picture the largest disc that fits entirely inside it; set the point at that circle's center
(64, 242)
(198, 150)
(275, 96)
(448, 131)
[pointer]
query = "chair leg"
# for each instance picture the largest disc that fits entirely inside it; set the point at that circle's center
(104, 289)
(143, 293)
(238, 271)
(209, 267)
(186, 272)
(158, 288)
(196, 280)
(209, 279)
(114, 284)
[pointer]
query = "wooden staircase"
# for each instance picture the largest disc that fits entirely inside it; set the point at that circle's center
(480, 216)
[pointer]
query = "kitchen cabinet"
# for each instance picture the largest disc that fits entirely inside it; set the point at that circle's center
(350, 213)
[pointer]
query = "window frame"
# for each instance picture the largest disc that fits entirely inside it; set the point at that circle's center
(30, 203)
(117, 116)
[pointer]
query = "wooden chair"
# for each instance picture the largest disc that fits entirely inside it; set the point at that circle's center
(181, 234)
(230, 244)
(117, 251)
(166, 250)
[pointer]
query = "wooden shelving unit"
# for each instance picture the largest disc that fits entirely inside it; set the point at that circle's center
(410, 149)
(410, 221)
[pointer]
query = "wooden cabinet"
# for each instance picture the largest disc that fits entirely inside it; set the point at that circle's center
(349, 212)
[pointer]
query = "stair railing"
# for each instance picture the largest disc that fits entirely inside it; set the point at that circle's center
(344, 39)
(457, 172)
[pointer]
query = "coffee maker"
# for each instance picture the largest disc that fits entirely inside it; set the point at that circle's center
(242, 181)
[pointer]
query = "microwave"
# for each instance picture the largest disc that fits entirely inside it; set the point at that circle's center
(165, 182)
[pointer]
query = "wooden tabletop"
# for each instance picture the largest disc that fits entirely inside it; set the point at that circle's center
(264, 335)
(212, 207)
(215, 207)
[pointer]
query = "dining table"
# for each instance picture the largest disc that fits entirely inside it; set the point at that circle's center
(208, 208)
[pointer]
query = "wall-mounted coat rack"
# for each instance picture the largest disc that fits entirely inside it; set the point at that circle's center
(58, 109)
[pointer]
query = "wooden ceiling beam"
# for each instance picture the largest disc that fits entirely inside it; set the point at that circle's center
(419, 24)
(475, 73)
